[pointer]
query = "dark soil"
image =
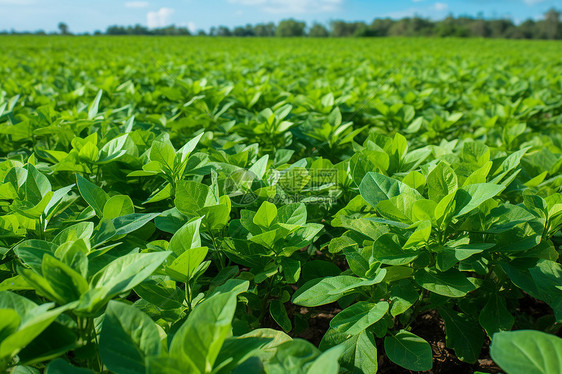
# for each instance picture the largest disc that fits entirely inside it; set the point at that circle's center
(429, 326)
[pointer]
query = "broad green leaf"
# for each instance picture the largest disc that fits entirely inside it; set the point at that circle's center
(376, 187)
(470, 197)
(527, 351)
(451, 283)
(60, 366)
(186, 237)
(409, 351)
(279, 314)
(266, 215)
(191, 197)
(495, 316)
(403, 295)
(92, 194)
(441, 181)
(163, 153)
(389, 252)
(117, 206)
(200, 338)
(463, 334)
(127, 337)
(358, 317)
(327, 290)
(67, 283)
(119, 276)
(184, 267)
(327, 362)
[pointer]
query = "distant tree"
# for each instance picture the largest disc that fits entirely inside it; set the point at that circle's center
(247, 30)
(529, 29)
(380, 26)
(548, 28)
(479, 28)
(201, 33)
(116, 30)
(63, 28)
(264, 29)
(223, 31)
(498, 27)
(341, 29)
(239, 31)
(290, 28)
(399, 28)
(318, 31)
(552, 27)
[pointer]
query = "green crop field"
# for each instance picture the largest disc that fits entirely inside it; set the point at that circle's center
(207, 205)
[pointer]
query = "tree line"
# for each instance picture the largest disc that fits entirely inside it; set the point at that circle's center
(548, 28)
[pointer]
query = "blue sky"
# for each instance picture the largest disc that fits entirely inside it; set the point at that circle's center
(90, 15)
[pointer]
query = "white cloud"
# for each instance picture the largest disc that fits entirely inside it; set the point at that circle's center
(434, 12)
(292, 6)
(191, 26)
(136, 4)
(161, 18)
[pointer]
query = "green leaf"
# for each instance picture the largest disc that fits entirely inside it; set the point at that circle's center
(191, 197)
(92, 194)
(451, 283)
(327, 290)
(117, 206)
(403, 295)
(132, 222)
(527, 351)
(266, 214)
(470, 197)
(44, 347)
(292, 357)
(189, 147)
(60, 366)
(183, 268)
(327, 362)
(186, 237)
(542, 281)
(127, 337)
(376, 187)
(67, 283)
(450, 256)
(358, 317)
(279, 314)
(360, 351)
(238, 349)
(9, 322)
(463, 334)
(119, 276)
(292, 214)
(200, 338)
(389, 252)
(495, 316)
(36, 185)
(94, 106)
(409, 351)
(441, 181)
(32, 323)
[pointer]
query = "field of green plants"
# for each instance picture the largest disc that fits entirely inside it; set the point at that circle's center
(197, 205)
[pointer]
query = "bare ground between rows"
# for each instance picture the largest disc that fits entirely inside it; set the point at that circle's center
(429, 326)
